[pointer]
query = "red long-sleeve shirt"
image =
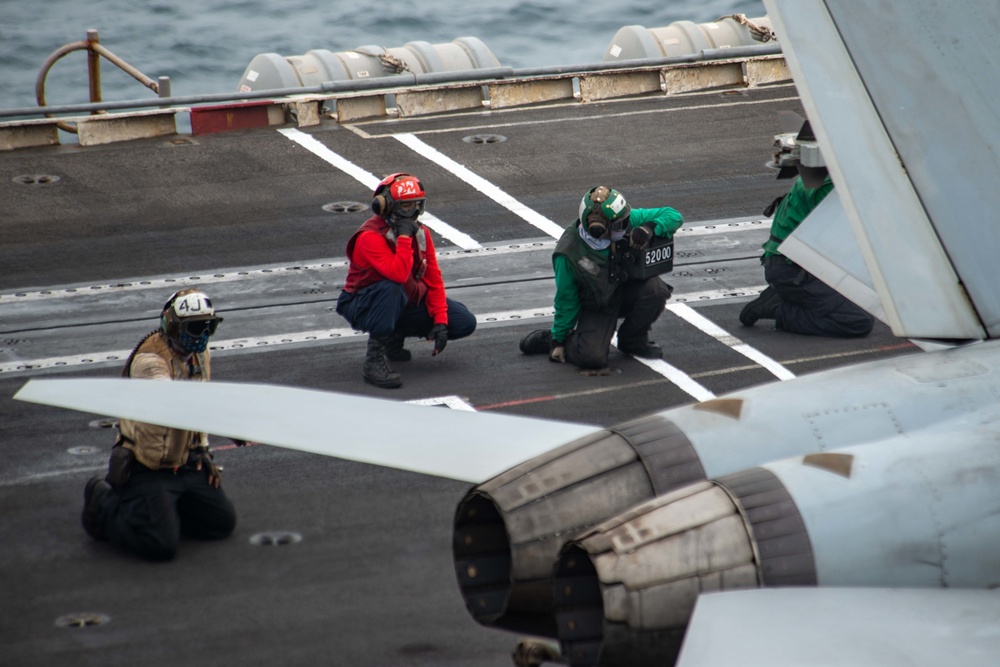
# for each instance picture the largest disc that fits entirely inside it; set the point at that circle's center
(373, 252)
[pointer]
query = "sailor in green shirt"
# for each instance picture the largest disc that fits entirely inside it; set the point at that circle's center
(796, 300)
(592, 290)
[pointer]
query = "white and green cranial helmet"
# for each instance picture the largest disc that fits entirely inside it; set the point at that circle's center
(604, 210)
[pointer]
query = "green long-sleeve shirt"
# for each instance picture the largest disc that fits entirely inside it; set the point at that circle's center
(793, 209)
(665, 222)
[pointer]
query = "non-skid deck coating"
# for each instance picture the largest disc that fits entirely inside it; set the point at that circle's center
(88, 261)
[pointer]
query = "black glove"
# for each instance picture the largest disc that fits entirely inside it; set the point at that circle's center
(438, 334)
(202, 458)
(640, 236)
(406, 227)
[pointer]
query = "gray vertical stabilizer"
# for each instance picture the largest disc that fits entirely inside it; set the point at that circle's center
(909, 124)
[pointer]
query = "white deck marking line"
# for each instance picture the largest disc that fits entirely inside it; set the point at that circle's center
(44, 476)
(688, 314)
(486, 126)
(452, 402)
(530, 216)
(714, 295)
(249, 273)
(369, 180)
(317, 148)
(723, 227)
(312, 336)
(682, 380)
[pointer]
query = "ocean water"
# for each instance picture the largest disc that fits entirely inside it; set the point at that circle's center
(205, 45)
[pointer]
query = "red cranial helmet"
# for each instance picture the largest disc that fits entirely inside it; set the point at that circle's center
(399, 195)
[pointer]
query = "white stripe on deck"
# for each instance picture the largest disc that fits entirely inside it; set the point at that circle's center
(265, 342)
(683, 381)
(369, 180)
(527, 214)
(193, 279)
(689, 315)
(356, 127)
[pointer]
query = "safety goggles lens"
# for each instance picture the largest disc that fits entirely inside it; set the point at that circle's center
(199, 328)
(409, 208)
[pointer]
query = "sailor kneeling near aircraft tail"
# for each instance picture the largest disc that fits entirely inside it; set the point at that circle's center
(796, 300)
(394, 287)
(594, 285)
(162, 482)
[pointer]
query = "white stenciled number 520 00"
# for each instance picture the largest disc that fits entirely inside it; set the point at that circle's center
(658, 255)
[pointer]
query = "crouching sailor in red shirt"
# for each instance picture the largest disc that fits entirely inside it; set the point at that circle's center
(394, 288)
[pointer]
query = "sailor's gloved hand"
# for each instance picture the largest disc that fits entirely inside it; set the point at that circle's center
(406, 227)
(557, 351)
(202, 459)
(640, 236)
(438, 334)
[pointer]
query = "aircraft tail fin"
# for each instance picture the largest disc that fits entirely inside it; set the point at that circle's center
(916, 173)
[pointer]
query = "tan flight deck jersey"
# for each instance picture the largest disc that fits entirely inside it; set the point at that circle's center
(158, 446)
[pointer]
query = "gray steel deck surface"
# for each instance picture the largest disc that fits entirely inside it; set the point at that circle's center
(371, 582)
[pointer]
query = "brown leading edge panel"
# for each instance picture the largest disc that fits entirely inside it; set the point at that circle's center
(509, 530)
(625, 589)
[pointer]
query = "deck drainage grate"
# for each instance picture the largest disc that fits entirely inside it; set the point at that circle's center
(277, 538)
(36, 179)
(84, 620)
(484, 139)
(344, 207)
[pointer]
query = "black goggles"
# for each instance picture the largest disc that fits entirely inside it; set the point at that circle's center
(410, 208)
(199, 328)
(620, 224)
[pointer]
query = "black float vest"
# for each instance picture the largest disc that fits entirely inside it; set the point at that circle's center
(591, 268)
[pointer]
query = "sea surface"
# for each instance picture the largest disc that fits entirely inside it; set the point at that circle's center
(205, 45)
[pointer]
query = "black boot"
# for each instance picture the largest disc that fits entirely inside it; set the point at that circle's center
(764, 307)
(537, 342)
(376, 370)
(646, 349)
(394, 349)
(92, 493)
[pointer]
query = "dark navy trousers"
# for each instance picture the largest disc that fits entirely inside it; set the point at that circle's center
(150, 512)
(381, 309)
(809, 306)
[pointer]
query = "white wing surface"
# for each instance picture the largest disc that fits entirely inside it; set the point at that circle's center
(467, 446)
(825, 243)
(849, 627)
(908, 119)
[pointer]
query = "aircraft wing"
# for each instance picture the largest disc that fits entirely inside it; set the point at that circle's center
(777, 627)
(825, 243)
(462, 445)
(909, 124)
